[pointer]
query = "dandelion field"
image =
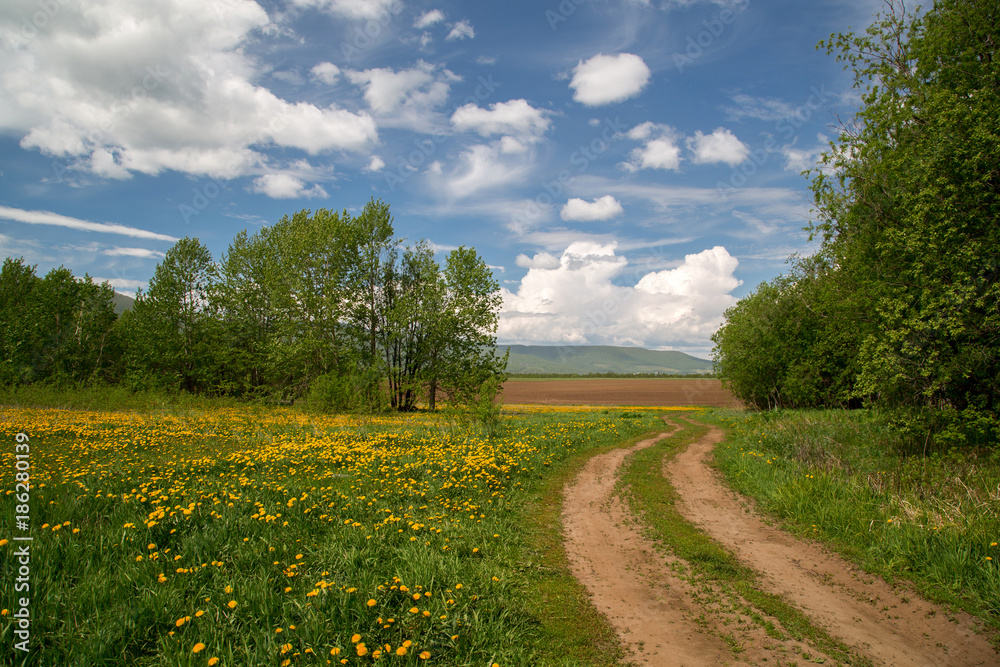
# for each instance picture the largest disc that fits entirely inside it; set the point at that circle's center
(249, 536)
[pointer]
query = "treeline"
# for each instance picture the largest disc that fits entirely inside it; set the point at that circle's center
(900, 308)
(325, 305)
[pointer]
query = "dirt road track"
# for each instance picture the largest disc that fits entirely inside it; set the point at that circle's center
(663, 621)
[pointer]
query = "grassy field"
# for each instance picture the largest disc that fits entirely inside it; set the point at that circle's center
(223, 535)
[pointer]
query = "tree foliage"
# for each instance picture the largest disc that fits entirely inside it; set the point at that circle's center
(908, 200)
(326, 306)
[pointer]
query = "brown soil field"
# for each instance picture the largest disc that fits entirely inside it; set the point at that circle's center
(704, 392)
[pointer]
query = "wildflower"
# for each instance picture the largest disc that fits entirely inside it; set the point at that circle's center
(361, 650)
(401, 650)
(198, 648)
(213, 661)
(425, 655)
(372, 603)
(232, 604)
(355, 639)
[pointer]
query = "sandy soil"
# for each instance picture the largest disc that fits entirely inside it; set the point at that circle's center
(666, 620)
(619, 391)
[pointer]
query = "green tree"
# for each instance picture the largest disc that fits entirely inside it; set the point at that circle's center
(910, 202)
(56, 329)
(171, 329)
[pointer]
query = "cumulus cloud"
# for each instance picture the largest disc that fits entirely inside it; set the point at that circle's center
(286, 186)
(428, 19)
(326, 72)
(353, 9)
(375, 164)
(405, 98)
(605, 208)
(720, 146)
(582, 299)
(660, 150)
(515, 118)
(461, 30)
(604, 79)
(186, 99)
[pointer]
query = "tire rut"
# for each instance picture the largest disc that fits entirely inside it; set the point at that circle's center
(667, 618)
(862, 611)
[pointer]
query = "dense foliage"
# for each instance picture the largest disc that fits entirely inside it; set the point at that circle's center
(899, 307)
(327, 306)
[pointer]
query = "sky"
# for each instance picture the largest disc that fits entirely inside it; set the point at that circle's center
(629, 169)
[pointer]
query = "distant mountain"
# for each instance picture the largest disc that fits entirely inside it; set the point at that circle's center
(122, 303)
(584, 359)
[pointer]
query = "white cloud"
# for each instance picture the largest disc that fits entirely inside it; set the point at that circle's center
(584, 299)
(720, 146)
(375, 164)
(286, 186)
(542, 260)
(661, 149)
(461, 30)
(515, 118)
(428, 19)
(326, 72)
(481, 167)
(186, 97)
(55, 219)
(604, 79)
(353, 9)
(406, 98)
(605, 208)
(144, 253)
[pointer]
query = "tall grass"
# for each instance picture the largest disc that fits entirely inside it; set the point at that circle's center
(231, 535)
(929, 517)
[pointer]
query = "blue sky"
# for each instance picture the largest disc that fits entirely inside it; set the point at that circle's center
(629, 169)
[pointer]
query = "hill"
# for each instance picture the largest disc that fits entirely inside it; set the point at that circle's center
(122, 303)
(584, 359)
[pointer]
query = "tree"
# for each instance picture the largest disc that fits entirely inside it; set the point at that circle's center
(57, 328)
(911, 208)
(171, 334)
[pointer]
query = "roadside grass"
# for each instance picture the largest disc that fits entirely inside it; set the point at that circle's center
(214, 534)
(930, 518)
(729, 584)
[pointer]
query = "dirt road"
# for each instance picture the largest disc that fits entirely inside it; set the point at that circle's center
(667, 618)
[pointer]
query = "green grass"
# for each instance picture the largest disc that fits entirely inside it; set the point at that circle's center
(300, 520)
(930, 518)
(730, 586)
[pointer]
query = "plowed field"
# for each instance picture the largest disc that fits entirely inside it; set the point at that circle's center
(619, 391)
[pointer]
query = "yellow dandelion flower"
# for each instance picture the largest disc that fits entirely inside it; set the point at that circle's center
(425, 655)
(335, 651)
(231, 604)
(355, 639)
(229, 589)
(198, 648)
(372, 603)
(414, 610)
(362, 650)
(4, 543)
(213, 661)
(401, 650)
